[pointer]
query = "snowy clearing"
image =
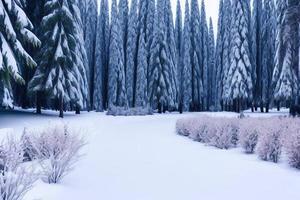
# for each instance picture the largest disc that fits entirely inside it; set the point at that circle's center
(142, 158)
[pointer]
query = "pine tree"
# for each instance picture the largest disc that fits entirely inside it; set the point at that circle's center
(161, 93)
(240, 82)
(178, 37)
(15, 32)
(196, 43)
(101, 60)
(185, 72)
(204, 56)
(257, 43)
(268, 50)
(117, 89)
(141, 72)
(61, 70)
(89, 16)
(228, 23)
(219, 57)
(132, 45)
(123, 19)
(211, 65)
(286, 86)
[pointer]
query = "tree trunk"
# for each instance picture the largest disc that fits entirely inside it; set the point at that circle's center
(278, 105)
(61, 107)
(159, 108)
(261, 107)
(267, 107)
(38, 103)
(77, 112)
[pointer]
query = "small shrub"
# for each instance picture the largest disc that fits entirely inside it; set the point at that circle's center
(121, 111)
(269, 147)
(16, 179)
(182, 127)
(57, 148)
(226, 133)
(248, 136)
(292, 145)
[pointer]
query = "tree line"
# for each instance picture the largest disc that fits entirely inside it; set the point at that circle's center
(64, 55)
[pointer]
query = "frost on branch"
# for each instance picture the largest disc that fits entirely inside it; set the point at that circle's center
(292, 145)
(249, 132)
(269, 145)
(16, 178)
(57, 148)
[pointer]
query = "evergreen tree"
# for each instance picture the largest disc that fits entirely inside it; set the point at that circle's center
(286, 67)
(219, 63)
(123, 19)
(15, 32)
(89, 16)
(101, 61)
(132, 49)
(211, 65)
(228, 23)
(141, 71)
(196, 43)
(240, 81)
(61, 70)
(185, 72)
(161, 93)
(204, 56)
(117, 89)
(178, 38)
(268, 51)
(257, 43)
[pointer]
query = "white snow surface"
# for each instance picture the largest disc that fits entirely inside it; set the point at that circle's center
(142, 158)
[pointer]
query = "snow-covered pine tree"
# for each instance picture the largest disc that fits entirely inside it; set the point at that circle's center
(141, 97)
(178, 39)
(204, 56)
(185, 73)
(161, 93)
(268, 51)
(286, 88)
(196, 43)
(211, 65)
(89, 14)
(146, 25)
(219, 57)
(101, 60)
(123, 20)
(228, 23)
(61, 70)
(171, 42)
(256, 50)
(117, 88)
(240, 81)
(15, 31)
(131, 51)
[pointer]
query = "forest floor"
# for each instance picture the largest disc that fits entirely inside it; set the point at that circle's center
(142, 158)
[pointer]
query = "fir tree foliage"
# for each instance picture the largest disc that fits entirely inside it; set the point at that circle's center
(15, 32)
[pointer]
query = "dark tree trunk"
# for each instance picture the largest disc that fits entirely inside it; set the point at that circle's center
(61, 107)
(278, 105)
(38, 103)
(267, 107)
(77, 111)
(159, 108)
(261, 107)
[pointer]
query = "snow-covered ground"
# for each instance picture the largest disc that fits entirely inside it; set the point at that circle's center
(141, 158)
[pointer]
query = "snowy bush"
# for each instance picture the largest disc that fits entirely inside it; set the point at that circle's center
(182, 127)
(250, 129)
(16, 179)
(225, 133)
(121, 111)
(292, 145)
(57, 148)
(269, 146)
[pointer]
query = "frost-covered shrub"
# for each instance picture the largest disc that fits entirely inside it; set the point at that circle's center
(292, 144)
(250, 129)
(57, 148)
(182, 127)
(226, 133)
(199, 129)
(121, 111)
(269, 146)
(16, 179)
